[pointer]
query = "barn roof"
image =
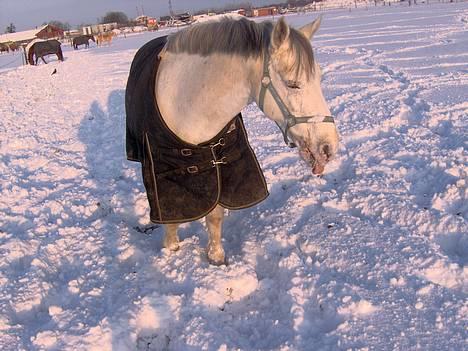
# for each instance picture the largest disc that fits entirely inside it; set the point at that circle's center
(21, 36)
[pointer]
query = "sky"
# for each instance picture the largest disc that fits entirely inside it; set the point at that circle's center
(27, 14)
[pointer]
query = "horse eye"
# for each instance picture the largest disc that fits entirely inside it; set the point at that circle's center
(292, 84)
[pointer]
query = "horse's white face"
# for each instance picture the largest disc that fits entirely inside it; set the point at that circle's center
(302, 95)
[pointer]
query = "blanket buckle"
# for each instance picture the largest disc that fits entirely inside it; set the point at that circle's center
(221, 161)
(221, 142)
(192, 169)
(186, 152)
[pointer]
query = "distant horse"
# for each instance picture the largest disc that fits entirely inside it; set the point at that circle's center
(13, 46)
(105, 37)
(183, 101)
(4, 48)
(82, 40)
(43, 48)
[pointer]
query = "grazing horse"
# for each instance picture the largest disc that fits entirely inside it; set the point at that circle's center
(4, 48)
(105, 37)
(13, 46)
(43, 48)
(82, 40)
(201, 78)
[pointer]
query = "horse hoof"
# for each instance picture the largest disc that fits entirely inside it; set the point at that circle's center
(172, 246)
(216, 257)
(217, 263)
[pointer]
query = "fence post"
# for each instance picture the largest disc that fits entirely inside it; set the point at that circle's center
(24, 57)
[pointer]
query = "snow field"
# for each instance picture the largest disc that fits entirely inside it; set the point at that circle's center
(372, 256)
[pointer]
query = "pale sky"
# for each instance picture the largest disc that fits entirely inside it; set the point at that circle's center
(27, 14)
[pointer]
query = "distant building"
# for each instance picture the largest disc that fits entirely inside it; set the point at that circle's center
(47, 31)
(183, 17)
(99, 28)
(176, 20)
(265, 11)
(141, 20)
(72, 33)
(241, 12)
(147, 21)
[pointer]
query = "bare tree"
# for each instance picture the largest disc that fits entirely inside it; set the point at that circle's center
(115, 16)
(59, 24)
(11, 28)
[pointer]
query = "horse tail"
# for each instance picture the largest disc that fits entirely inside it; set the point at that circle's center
(31, 55)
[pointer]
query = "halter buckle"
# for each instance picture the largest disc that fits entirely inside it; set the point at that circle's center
(291, 121)
(266, 81)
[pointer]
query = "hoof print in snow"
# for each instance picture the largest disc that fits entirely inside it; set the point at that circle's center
(146, 230)
(153, 343)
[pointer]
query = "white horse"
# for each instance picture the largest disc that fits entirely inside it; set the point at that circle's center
(214, 69)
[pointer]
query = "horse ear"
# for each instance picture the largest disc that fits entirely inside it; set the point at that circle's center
(280, 34)
(309, 29)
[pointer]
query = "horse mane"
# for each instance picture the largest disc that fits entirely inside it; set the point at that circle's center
(239, 36)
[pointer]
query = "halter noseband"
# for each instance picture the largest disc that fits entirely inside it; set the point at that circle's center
(289, 119)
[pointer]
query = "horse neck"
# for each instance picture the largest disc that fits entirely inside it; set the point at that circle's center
(197, 96)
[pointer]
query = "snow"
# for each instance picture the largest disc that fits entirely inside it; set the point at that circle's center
(371, 256)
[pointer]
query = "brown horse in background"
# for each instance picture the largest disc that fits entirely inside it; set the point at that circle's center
(13, 46)
(82, 40)
(43, 48)
(4, 48)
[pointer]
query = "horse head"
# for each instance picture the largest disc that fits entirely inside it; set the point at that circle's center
(291, 94)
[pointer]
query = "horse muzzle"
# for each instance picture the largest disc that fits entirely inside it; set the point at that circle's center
(317, 159)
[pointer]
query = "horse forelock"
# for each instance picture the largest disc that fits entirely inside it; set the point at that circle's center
(302, 54)
(239, 37)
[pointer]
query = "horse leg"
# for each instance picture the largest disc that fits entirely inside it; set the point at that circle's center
(171, 239)
(42, 57)
(214, 222)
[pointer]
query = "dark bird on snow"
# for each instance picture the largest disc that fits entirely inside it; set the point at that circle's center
(55, 71)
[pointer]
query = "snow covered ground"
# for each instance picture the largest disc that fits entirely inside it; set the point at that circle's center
(370, 257)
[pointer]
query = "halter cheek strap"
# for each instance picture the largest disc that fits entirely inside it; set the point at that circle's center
(289, 119)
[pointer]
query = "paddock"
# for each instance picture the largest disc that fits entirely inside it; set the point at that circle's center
(371, 255)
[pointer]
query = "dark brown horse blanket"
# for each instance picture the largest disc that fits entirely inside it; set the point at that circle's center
(184, 182)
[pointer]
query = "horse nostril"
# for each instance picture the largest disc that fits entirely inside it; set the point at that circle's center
(325, 150)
